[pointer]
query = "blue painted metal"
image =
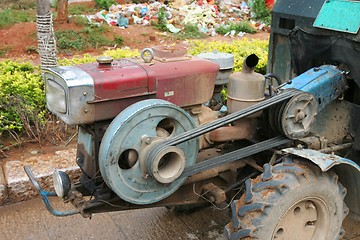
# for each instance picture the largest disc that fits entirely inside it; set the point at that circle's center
(125, 132)
(325, 83)
(324, 161)
(339, 15)
(45, 194)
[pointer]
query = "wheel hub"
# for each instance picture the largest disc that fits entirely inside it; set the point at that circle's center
(305, 220)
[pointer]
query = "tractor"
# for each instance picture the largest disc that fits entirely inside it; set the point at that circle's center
(282, 150)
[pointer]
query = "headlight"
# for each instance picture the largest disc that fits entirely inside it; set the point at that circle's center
(61, 183)
(55, 96)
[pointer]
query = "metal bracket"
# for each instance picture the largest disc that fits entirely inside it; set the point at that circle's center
(323, 160)
(45, 195)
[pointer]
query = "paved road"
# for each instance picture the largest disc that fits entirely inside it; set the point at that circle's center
(30, 220)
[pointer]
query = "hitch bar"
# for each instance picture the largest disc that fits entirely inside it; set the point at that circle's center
(45, 196)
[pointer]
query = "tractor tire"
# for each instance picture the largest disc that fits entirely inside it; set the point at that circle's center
(291, 200)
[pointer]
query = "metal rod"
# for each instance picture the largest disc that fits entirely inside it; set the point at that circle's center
(336, 148)
(44, 195)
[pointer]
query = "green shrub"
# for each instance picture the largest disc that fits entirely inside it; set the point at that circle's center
(9, 17)
(239, 48)
(105, 4)
(190, 31)
(238, 27)
(69, 39)
(21, 90)
(118, 40)
(80, 20)
(261, 12)
(161, 17)
(90, 37)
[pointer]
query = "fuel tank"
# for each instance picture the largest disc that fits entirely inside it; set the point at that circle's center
(99, 91)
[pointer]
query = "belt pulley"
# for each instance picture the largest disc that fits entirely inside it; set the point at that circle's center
(199, 167)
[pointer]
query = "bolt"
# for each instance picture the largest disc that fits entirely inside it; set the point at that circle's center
(85, 93)
(309, 205)
(212, 199)
(316, 69)
(86, 111)
(148, 141)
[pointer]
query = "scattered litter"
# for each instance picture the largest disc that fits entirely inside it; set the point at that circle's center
(172, 28)
(122, 21)
(204, 14)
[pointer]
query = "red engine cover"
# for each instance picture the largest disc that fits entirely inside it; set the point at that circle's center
(126, 81)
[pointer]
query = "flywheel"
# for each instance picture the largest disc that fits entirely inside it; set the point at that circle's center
(124, 147)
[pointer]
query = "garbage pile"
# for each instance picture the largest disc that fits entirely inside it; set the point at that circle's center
(205, 14)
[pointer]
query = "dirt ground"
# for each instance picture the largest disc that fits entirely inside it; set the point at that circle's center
(20, 38)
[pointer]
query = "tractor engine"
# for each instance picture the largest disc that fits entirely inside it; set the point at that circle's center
(158, 132)
(126, 108)
(144, 123)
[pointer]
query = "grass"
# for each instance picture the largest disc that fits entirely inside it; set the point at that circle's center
(119, 40)
(90, 37)
(18, 4)
(78, 9)
(9, 17)
(238, 27)
(190, 32)
(80, 21)
(4, 50)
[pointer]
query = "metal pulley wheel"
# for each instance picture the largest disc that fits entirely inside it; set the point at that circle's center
(298, 115)
(126, 142)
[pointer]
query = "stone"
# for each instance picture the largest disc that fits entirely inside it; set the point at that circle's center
(19, 187)
(3, 189)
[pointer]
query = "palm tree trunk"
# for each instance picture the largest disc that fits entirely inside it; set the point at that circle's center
(45, 33)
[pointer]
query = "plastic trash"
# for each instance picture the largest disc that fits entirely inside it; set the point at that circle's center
(122, 21)
(172, 28)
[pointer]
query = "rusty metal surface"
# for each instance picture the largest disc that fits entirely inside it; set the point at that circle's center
(29, 220)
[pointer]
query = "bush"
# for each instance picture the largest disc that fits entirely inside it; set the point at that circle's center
(118, 40)
(238, 27)
(239, 48)
(22, 98)
(161, 20)
(190, 31)
(69, 39)
(90, 37)
(80, 20)
(261, 12)
(105, 4)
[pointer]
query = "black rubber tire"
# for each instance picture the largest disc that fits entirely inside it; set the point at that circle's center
(270, 196)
